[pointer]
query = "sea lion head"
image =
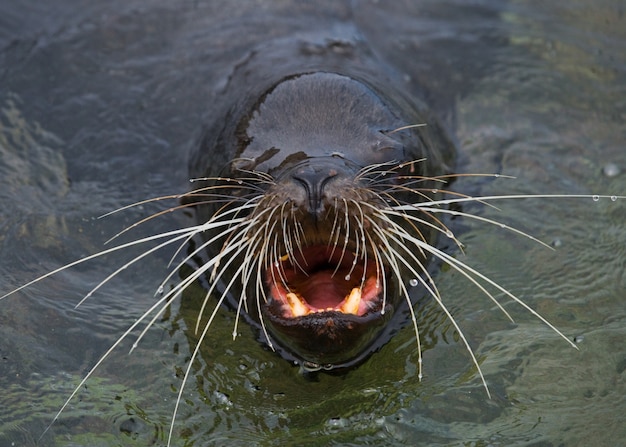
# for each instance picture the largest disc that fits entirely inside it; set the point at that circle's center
(309, 245)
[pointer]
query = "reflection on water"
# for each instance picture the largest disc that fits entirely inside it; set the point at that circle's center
(100, 104)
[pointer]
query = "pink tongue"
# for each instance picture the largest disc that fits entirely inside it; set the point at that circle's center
(323, 292)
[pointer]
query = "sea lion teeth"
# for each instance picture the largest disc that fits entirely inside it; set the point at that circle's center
(298, 309)
(351, 304)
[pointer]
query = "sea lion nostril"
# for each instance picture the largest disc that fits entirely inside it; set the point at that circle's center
(314, 181)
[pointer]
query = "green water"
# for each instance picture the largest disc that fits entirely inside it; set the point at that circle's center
(100, 104)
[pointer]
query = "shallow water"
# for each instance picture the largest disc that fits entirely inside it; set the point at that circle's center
(100, 105)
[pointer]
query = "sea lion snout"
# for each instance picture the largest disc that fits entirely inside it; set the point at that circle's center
(317, 182)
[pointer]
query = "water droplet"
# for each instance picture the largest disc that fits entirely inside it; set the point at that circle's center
(496, 175)
(595, 198)
(160, 290)
(413, 282)
(613, 198)
(347, 277)
(435, 191)
(579, 339)
(611, 170)
(556, 242)
(450, 234)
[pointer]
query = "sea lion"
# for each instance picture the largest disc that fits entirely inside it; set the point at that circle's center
(307, 243)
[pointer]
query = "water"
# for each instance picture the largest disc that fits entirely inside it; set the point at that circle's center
(100, 104)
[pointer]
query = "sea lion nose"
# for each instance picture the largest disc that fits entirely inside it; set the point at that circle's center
(314, 180)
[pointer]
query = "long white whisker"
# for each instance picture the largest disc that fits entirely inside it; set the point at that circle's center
(451, 260)
(512, 196)
(103, 253)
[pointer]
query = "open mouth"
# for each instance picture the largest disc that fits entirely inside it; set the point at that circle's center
(325, 279)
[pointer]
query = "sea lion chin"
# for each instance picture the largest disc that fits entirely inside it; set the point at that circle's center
(305, 226)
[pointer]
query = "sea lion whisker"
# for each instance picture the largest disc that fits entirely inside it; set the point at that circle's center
(259, 176)
(128, 264)
(298, 234)
(408, 182)
(385, 249)
(424, 193)
(239, 246)
(279, 266)
(594, 197)
(223, 199)
(346, 239)
(437, 224)
(451, 260)
(199, 249)
(228, 182)
(180, 248)
(188, 280)
(243, 302)
(303, 241)
(383, 213)
(192, 359)
(357, 253)
(374, 171)
(250, 259)
(148, 218)
(389, 233)
(103, 253)
(333, 237)
(288, 233)
(362, 245)
(140, 203)
(238, 239)
(168, 299)
(260, 290)
(380, 272)
(485, 220)
(268, 339)
(257, 243)
(157, 214)
(402, 233)
(247, 221)
(395, 268)
(434, 292)
(410, 126)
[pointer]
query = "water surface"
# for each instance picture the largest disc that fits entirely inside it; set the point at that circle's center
(100, 105)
